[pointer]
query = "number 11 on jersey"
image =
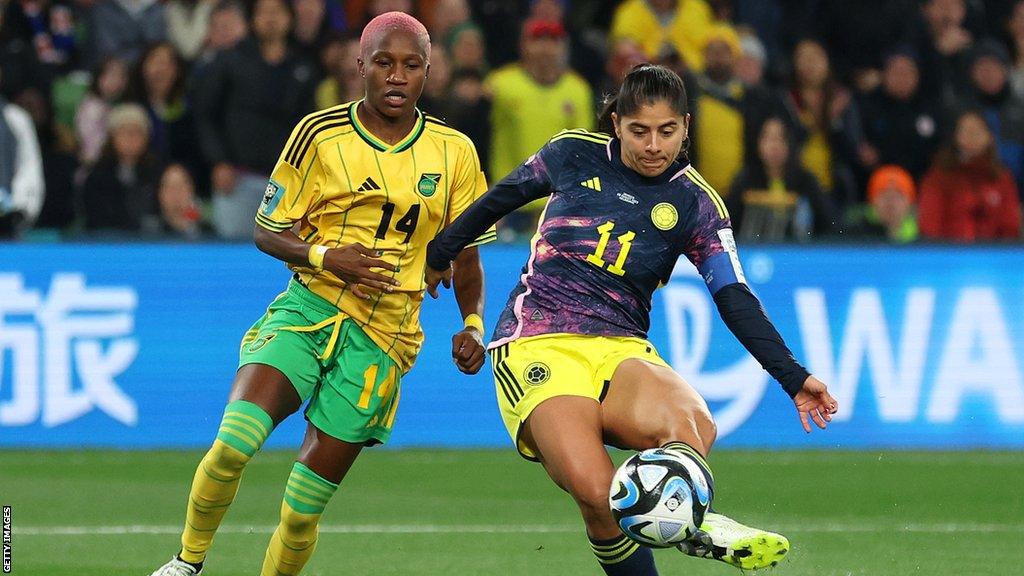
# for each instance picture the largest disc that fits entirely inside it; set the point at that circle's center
(625, 241)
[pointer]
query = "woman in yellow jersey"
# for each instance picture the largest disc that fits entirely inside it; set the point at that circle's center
(358, 192)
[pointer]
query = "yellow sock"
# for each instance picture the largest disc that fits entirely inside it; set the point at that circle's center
(295, 538)
(242, 431)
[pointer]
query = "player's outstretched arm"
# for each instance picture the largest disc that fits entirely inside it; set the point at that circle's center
(353, 263)
(526, 183)
(712, 250)
(743, 314)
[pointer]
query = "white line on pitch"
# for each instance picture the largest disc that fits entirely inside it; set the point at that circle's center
(937, 528)
(328, 528)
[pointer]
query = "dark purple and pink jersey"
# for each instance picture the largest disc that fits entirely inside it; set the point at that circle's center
(608, 238)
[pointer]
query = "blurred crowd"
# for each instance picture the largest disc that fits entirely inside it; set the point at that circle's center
(888, 120)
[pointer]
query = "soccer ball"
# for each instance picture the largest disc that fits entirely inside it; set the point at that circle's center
(659, 497)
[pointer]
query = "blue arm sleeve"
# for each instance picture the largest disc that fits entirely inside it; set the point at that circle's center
(718, 272)
(743, 314)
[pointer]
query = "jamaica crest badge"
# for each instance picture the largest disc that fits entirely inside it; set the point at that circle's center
(427, 185)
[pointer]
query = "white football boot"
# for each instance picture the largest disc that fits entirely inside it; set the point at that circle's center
(177, 568)
(722, 538)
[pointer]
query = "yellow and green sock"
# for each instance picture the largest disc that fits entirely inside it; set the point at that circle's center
(292, 544)
(243, 430)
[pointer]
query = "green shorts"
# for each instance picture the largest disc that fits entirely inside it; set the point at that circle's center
(351, 384)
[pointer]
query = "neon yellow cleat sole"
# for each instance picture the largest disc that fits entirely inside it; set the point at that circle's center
(721, 538)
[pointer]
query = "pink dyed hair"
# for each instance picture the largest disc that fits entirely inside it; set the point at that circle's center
(389, 22)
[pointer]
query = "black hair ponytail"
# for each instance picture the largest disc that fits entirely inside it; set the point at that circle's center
(608, 107)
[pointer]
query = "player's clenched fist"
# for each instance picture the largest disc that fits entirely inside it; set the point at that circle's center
(354, 263)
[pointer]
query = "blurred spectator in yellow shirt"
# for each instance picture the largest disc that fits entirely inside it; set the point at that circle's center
(728, 114)
(665, 26)
(532, 100)
(535, 98)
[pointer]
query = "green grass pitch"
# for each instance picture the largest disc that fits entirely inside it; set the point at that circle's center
(443, 512)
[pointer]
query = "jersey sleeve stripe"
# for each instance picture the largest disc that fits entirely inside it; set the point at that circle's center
(719, 204)
(582, 132)
(310, 137)
(270, 224)
(714, 193)
(302, 129)
(489, 236)
(302, 185)
(586, 138)
(263, 224)
(308, 129)
(270, 221)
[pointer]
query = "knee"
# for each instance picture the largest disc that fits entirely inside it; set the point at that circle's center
(226, 459)
(690, 422)
(706, 427)
(298, 529)
(298, 523)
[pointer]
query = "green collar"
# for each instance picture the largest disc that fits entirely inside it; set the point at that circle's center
(377, 143)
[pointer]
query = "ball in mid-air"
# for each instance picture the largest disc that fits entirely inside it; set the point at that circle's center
(659, 497)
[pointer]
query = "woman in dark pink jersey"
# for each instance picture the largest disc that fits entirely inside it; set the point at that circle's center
(572, 365)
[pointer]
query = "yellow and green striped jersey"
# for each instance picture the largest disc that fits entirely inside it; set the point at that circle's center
(336, 183)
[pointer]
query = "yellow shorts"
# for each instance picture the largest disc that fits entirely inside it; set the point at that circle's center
(528, 371)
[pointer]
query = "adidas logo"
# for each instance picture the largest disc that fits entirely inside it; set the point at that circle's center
(367, 185)
(594, 183)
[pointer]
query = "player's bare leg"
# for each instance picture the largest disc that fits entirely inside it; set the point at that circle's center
(261, 396)
(322, 463)
(268, 388)
(565, 433)
(649, 406)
